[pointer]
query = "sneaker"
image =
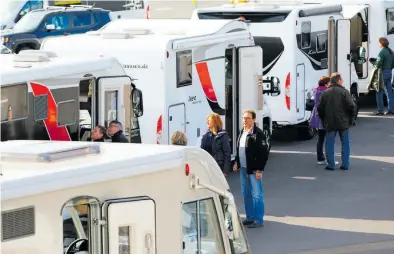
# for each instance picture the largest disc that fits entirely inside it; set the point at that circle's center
(247, 222)
(328, 168)
(344, 168)
(390, 113)
(323, 162)
(256, 225)
(379, 114)
(335, 162)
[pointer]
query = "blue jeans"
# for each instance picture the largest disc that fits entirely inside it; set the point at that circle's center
(252, 192)
(345, 152)
(388, 90)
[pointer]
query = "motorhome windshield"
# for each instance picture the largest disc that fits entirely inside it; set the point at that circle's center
(30, 21)
(253, 17)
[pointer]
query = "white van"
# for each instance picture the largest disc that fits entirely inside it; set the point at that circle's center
(115, 198)
(186, 69)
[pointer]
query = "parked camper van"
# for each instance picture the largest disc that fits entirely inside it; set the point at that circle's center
(45, 97)
(93, 198)
(363, 23)
(186, 69)
(297, 57)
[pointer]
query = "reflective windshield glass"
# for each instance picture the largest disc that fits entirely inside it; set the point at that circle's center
(30, 21)
(9, 8)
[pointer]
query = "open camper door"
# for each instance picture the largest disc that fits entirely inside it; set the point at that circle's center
(131, 225)
(111, 99)
(343, 51)
(250, 86)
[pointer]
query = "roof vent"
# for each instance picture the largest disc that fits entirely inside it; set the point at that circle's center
(137, 31)
(48, 54)
(116, 35)
(49, 151)
(30, 58)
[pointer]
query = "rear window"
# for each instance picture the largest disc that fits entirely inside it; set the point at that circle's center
(253, 17)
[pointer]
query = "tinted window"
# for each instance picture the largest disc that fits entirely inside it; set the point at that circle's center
(184, 68)
(254, 17)
(36, 4)
(61, 21)
(82, 19)
(66, 112)
(305, 34)
(13, 102)
(101, 17)
(321, 44)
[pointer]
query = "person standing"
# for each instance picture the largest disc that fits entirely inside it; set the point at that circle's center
(116, 133)
(385, 62)
(337, 111)
(251, 158)
(316, 121)
(99, 133)
(216, 142)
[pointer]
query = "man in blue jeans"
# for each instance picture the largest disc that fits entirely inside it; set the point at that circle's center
(337, 111)
(385, 62)
(252, 155)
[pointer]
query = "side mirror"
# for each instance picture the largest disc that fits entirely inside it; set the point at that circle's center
(50, 27)
(271, 86)
(137, 103)
(361, 55)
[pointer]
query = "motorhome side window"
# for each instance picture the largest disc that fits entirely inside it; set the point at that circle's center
(14, 100)
(390, 21)
(66, 112)
(306, 34)
(184, 68)
(321, 43)
(200, 222)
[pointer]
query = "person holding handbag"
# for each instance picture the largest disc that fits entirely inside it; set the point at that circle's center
(316, 121)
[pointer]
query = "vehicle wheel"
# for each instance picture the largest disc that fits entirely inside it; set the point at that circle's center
(267, 133)
(22, 48)
(306, 133)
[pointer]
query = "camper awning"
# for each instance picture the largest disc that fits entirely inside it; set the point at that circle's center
(349, 11)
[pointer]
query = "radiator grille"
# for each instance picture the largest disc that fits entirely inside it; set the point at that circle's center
(17, 223)
(40, 107)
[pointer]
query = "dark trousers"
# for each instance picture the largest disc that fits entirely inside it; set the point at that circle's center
(320, 145)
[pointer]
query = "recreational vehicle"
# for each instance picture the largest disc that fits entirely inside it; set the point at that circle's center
(298, 57)
(186, 69)
(46, 97)
(93, 198)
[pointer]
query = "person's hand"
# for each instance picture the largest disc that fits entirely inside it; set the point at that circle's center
(259, 175)
(235, 168)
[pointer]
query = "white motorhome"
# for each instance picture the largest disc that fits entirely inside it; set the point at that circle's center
(45, 96)
(114, 198)
(363, 23)
(298, 57)
(186, 69)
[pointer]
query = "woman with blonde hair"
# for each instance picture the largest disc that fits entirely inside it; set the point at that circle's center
(179, 138)
(216, 142)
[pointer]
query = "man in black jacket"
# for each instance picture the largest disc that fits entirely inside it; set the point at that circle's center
(252, 155)
(337, 111)
(116, 132)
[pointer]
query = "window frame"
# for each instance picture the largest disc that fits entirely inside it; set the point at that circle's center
(27, 101)
(388, 11)
(317, 44)
(75, 14)
(75, 112)
(198, 228)
(310, 32)
(178, 53)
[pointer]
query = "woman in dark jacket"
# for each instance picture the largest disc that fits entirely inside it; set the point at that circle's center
(216, 142)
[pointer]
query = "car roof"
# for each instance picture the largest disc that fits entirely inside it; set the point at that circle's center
(55, 9)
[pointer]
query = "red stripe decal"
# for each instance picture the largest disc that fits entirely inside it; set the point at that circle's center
(205, 79)
(54, 131)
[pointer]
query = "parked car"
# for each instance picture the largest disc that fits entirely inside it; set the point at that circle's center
(53, 21)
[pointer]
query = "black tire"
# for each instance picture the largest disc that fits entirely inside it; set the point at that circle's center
(306, 133)
(267, 132)
(22, 48)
